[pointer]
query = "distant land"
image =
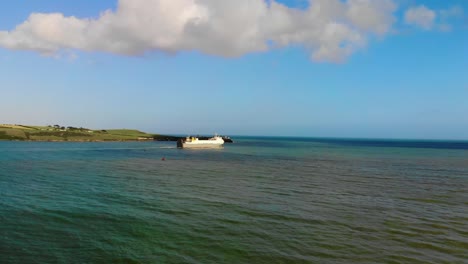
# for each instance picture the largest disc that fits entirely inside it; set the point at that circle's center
(77, 134)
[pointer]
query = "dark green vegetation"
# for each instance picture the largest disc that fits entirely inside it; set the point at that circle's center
(61, 133)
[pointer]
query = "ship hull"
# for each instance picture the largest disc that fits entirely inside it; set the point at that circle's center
(201, 146)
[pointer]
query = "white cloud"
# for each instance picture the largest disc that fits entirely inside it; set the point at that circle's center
(330, 29)
(371, 15)
(428, 19)
(447, 15)
(452, 12)
(420, 16)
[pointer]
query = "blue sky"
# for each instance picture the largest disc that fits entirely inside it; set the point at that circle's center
(407, 82)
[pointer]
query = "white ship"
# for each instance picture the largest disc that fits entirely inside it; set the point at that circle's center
(194, 142)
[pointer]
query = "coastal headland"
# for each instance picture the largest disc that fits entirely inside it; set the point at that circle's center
(57, 133)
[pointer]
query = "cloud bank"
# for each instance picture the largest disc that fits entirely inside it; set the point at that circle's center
(330, 29)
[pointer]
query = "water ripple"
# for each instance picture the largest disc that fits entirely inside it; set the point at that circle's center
(277, 202)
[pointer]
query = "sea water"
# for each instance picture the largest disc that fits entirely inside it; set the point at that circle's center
(259, 200)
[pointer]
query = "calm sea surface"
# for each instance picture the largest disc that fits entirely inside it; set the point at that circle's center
(259, 200)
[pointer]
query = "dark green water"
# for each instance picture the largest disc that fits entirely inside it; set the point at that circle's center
(260, 200)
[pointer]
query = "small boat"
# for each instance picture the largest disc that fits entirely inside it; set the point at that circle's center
(195, 142)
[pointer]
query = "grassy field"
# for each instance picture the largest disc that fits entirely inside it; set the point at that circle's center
(57, 133)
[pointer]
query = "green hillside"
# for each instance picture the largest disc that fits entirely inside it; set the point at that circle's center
(60, 133)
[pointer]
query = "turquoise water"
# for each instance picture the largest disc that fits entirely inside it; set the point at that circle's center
(259, 200)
